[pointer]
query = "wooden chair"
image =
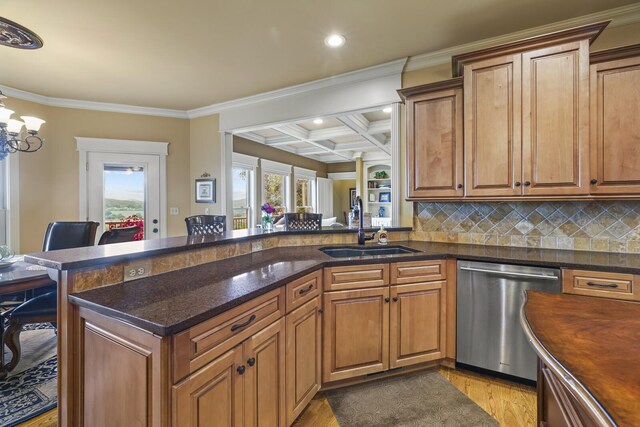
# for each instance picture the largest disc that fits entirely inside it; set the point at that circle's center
(206, 224)
(119, 235)
(302, 222)
(44, 308)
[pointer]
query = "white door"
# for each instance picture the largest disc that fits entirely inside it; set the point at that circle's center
(124, 189)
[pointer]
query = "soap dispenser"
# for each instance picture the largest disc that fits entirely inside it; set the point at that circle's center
(383, 236)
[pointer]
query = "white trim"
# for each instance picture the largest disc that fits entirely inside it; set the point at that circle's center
(102, 145)
(275, 167)
(92, 105)
(226, 177)
(303, 173)
(13, 203)
(244, 160)
(352, 77)
(396, 186)
(624, 15)
(341, 175)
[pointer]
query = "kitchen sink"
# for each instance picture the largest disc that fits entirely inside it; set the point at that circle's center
(350, 251)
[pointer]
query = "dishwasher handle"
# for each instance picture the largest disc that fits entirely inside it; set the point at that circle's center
(511, 273)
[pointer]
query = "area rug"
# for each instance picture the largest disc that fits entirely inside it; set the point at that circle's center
(31, 388)
(419, 399)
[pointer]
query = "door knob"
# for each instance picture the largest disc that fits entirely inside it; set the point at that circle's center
(395, 299)
(241, 369)
(459, 185)
(251, 361)
(527, 183)
(594, 181)
(387, 299)
(517, 183)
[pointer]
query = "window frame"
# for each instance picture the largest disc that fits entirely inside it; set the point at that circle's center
(249, 163)
(276, 168)
(310, 175)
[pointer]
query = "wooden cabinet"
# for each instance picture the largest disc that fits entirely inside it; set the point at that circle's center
(303, 357)
(355, 277)
(417, 323)
(434, 140)
(601, 284)
(492, 125)
(356, 333)
(555, 120)
(615, 128)
(213, 396)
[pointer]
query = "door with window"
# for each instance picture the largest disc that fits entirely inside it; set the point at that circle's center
(124, 190)
(241, 179)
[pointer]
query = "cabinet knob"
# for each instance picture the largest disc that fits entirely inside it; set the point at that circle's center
(387, 299)
(251, 361)
(594, 181)
(517, 183)
(460, 185)
(241, 369)
(395, 299)
(527, 183)
(320, 310)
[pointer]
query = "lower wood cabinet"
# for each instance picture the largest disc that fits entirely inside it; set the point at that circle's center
(303, 357)
(417, 330)
(356, 333)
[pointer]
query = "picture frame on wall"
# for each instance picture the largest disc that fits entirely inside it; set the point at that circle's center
(205, 190)
(352, 197)
(385, 197)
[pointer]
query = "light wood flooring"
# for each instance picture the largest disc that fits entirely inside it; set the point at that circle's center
(511, 404)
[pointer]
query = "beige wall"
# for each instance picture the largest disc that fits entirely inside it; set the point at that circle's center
(341, 197)
(205, 153)
(341, 167)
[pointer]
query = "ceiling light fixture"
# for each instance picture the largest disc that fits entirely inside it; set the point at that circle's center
(318, 121)
(335, 40)
(15, 35)
(387, 110)
(11, 139)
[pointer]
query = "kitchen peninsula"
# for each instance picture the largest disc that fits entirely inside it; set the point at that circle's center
(162, 348)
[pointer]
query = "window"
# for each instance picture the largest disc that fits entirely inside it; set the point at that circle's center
(4, 190)
(305, 188)
(241, 194)
(275, 185)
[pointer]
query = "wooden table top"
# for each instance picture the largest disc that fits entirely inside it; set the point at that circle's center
(597, 341)
(22, 276)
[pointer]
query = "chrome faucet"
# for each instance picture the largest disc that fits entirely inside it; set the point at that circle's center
(362, 237)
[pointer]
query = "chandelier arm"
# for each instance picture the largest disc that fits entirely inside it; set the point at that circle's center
(33, 140)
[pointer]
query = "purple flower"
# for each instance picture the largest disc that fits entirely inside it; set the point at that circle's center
(268, 208)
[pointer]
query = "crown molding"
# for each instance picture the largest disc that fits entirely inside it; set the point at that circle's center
(91, 105)
(364, 74)
(620, 16)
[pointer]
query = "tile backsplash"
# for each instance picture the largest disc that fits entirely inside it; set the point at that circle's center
(606, 226)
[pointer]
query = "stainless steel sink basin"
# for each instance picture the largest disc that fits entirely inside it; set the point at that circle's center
(350, 251)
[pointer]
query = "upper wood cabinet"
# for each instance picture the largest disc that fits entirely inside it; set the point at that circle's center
(555, 120)
(615, 124)
(434, 140)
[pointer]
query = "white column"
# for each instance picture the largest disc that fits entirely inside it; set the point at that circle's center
(396, 179)
(226, 180)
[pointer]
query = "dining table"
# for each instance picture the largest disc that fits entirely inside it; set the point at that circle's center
(19, 277)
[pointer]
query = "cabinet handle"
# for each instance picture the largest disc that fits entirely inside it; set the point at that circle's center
(395, 299)
(527, 183)
(305, 290)
(251, 361)
(387, 299)
(594, 181)
(460, 185)
(243, 325)
(517, 183)
(241, 369)
(602, 285)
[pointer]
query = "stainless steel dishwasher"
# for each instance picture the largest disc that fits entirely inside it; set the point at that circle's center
(489, 297)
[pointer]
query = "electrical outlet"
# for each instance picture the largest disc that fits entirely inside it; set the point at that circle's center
(173, 211)
(136, 271)
(206, 211)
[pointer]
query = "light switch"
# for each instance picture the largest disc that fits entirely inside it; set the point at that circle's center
(173, 211)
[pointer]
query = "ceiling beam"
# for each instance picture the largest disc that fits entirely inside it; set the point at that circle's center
(301, 134)
(359, 123)
(349, 146)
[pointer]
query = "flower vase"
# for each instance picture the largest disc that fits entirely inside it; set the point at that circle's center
(267, 222)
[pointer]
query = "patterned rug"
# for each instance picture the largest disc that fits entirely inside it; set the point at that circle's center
(31, 388)
(419, 399)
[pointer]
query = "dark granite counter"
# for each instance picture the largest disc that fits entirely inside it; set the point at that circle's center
(172, 302)
(69, 259)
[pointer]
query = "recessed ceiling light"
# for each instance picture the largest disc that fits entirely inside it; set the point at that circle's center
(318, 121)
(386, 110)
(335, 40)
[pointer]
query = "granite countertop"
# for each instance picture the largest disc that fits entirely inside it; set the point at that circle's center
(93, 256)
(172, 302)
(601, 364)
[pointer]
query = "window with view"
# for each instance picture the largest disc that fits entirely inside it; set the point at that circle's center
(241, 196)
(305, 190)
(274, 191)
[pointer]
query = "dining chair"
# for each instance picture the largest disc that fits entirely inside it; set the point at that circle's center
(206, 224)
(44, 308)
(119, 235)
(302, 222)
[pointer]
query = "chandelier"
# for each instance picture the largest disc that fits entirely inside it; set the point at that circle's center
(12, 137)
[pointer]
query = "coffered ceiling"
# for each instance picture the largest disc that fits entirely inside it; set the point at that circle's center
(188, 54)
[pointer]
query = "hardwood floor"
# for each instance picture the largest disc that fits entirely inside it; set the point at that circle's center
(510, 404)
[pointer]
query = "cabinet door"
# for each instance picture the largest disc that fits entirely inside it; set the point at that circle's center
(555, 120)
(264, 399)
(434, 144)
(492, 122)
(213, 395)
(303, 357)
(417, 323)
(356, 333)
(615, 127)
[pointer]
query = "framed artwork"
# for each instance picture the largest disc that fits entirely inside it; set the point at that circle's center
(205, 190)
(352, 197)
(385, 197)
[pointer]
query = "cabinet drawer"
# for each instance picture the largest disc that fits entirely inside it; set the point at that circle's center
(418, 271)
(356, 277)
(303, 289)
(600, 284)
(199, 345)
